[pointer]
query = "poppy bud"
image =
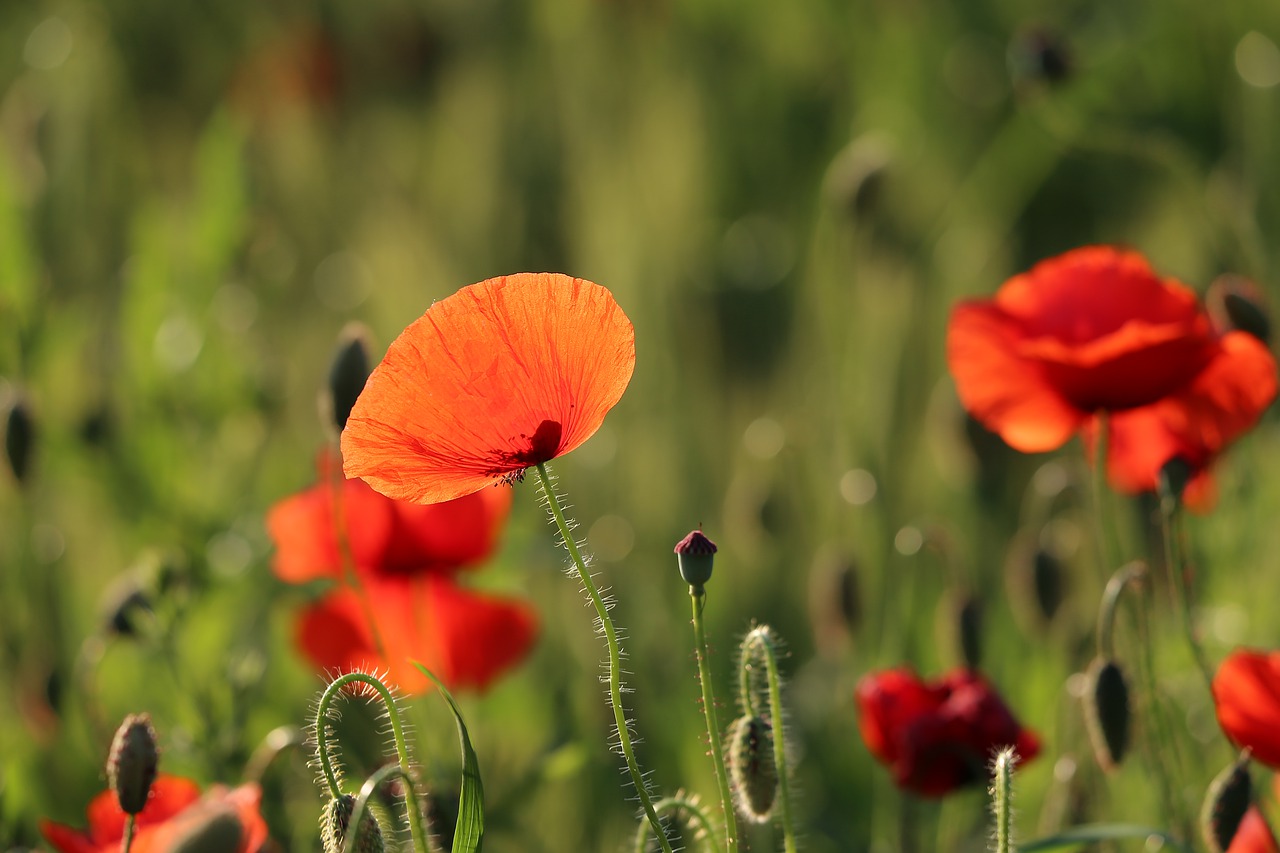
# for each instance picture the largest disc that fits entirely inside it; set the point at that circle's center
(856, 177)
(131, 764)
(835, 602)
(1225, 804)
(1039, 56)
(335, 820)
(696, 555)
(1106, 712)
(19, 438)
(441, 812)
(217, 832)
(1173, 479)
(1235, 303)
(968, 623)
(348, 372)
(752, 767)
(121, 605)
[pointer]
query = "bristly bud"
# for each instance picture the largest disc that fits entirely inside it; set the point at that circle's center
(19, 438)
(336, 819)
(1225, 804)
(132, 762)
(752, 767)
(1235, 303)
(1173, 479)
(696, 555)
(1107, 712)
(218, 832)
(348, 372)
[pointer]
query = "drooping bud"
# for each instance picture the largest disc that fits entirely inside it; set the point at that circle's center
(1106, 712)
(348, 372)
(696, 555)
(218, 831)
(132, 762)
(335, 821)
(19, 438)
(122, 603)
(1236, 303)
(1225, 804)
(752, 767)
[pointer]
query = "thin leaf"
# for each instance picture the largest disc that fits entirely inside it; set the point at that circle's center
(469, 832)
(1095, 832)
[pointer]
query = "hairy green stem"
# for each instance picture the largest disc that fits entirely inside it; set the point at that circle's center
(615, 654)
(760, 642)
(126, 840)
(697, 818)
(367, 790)
(699, 598)
(1001, 800)
(412, 807)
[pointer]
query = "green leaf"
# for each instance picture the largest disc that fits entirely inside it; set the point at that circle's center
(469, 833)
(1095, 832)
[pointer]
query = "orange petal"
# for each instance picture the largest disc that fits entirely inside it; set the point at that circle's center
(1008, 394)
(169, 796)
(481, 636)
(1246, 693)
(1253, 835)
(65, 839)
(498, 377)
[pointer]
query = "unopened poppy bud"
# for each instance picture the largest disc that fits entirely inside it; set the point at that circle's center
(1039, 56)
(1106, 712)
(335, 821)
(1235, 303)
(696, 555)
(132, 762)
(347, 374)
(752, 767)
(216, 832)
(1174, 476)
(19, 438)
(968, 616)
(1225, 804)
(122, 603)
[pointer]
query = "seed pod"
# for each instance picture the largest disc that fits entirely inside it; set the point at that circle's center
(1236, 303)
(696, 555)
(1106, 712)
(1225, 804)
(335, 820)
(219, 831)
(752, 768)
(132, 762)
(348, 372)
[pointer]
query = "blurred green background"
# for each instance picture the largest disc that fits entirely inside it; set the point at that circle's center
(786, 199)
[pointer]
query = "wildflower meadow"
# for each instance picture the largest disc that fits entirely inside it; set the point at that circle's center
(639, 425)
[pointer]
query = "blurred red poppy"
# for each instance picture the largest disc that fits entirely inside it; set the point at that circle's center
(175, 810)
(1246, 692)
(937, 736)
(1095, 330)
(1253, 835)
(500, 376)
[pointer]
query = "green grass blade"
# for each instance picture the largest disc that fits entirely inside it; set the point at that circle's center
(1092, 833)
(469, 833)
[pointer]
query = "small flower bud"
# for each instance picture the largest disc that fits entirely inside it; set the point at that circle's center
(335, 820)
(1235, 303)
(19, 438)
(696, 555)
(348, 372)
(1039, 56)
(131, 764)
(121, 605)
(1225, 804)
(218, 831)
(1106, 712)
(752, 768)
(1174, 476)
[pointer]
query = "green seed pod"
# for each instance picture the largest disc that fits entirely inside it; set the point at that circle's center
(336, 818)
(1228, 798)
(348, 372)
(1107, 712)
(752, 768)
(218, 832)
(696, 555)
(132, 762)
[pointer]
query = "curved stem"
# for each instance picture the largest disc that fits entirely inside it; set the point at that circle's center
(397, 733)
(698, 596)
(760, 641)
(615, 654)
(367, 791)
(668, 805)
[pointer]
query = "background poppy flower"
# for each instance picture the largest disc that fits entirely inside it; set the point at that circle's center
(1246, 693)
(1253, 835)
(937, 736)
(498, 377)
(1095, 330)
(174, 809)
(465, 638)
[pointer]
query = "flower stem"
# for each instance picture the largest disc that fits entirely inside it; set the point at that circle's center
(350, 574)
(126, 841)
(696, 815)
(1178, 585)
(1002, 795)
(760, 641)
(615, 655)
(698, 596)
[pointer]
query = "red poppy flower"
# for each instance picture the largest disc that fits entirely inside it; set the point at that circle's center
(937, 736)
(1246, 692)
(1095, 330)
(174, 810)
(496, 378)
(1253, 835)
(386, 537)
(465, 638)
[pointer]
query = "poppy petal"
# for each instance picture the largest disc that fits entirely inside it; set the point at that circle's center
(500, 376)
(1006, 392)
(481, 635)
(169, 795)
(451, 534)
(1246, 693)
(1253, 835)
(65, 839)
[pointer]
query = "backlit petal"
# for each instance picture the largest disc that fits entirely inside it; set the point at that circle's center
(1246, 692)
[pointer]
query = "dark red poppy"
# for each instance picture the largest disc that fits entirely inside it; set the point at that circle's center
(173, 812)
(1246, 693)
(496, 378)
(937, 736)
(1095, 330)
(1253, 835)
